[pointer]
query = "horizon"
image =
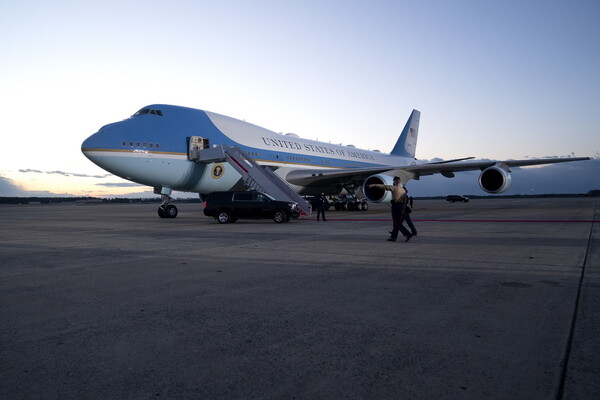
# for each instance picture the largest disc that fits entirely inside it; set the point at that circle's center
(546, 179)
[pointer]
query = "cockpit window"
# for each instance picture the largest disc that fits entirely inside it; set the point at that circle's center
(148, 111)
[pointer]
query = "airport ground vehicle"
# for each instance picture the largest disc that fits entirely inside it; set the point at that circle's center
(455, 197)
(229, 206)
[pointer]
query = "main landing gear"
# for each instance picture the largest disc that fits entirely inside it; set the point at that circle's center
(349, 205)
(349, 201)
(166, 209)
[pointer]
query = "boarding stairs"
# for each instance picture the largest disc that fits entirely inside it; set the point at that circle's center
(254, 175)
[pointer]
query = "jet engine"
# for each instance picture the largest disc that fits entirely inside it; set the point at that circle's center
(495, 180)
(377, 195)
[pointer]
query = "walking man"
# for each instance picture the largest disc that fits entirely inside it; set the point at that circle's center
(407, 211)
(399, 199)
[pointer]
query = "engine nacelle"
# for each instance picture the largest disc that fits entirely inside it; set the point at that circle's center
(494, 180)
(377, 195)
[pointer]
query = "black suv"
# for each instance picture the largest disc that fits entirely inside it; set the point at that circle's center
(455, 197)
(229, 206)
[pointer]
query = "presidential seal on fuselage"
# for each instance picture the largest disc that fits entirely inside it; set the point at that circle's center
(217, 171)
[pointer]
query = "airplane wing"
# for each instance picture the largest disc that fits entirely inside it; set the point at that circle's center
(450, 167)
(445, 168)
(328, 176)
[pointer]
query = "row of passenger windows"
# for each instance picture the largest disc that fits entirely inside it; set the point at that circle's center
(288, 158)
(297, 158)
(143, 145)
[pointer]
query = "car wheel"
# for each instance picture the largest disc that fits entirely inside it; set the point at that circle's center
(223, 216)
(279, 216)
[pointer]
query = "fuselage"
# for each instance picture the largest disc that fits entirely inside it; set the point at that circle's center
(151, 148)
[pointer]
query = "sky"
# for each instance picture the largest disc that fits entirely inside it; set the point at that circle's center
(492, 79)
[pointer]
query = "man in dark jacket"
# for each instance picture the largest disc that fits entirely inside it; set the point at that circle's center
(399, 200)
(320, 203)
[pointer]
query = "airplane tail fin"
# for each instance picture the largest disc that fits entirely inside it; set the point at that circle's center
(406, 145)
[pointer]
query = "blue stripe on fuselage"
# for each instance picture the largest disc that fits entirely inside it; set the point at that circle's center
(172, 130)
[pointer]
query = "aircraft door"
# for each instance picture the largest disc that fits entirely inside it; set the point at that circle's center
(196, 144)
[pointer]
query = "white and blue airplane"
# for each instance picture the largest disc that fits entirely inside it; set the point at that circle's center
(152, 148)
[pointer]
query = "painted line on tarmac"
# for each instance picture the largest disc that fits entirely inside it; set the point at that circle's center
(587, 221)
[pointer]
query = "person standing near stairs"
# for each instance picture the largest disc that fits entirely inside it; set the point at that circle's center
(320, 203)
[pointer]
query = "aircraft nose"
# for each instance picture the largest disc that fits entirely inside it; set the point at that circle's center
(90, 144)
(101, 139)
(86, 144)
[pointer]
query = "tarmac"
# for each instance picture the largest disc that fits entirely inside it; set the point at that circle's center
(495, 298)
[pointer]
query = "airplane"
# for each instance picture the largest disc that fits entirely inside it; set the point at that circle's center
(155, 147)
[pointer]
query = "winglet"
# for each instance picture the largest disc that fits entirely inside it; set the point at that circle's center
(406, 145)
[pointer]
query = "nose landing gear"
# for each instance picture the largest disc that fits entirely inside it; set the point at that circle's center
(166, 209)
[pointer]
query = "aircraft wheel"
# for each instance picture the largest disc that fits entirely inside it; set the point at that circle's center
(161, 212)
(279, 216)
(171, 211)
(364, 206)
(223, 216)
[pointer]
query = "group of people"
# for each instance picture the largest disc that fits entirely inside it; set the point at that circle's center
(401, 209)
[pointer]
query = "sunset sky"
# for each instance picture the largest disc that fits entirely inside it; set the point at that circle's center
(492, 79)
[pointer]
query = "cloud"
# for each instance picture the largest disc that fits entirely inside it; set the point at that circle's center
(9, 188)
(119, 184)
(63, 173)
